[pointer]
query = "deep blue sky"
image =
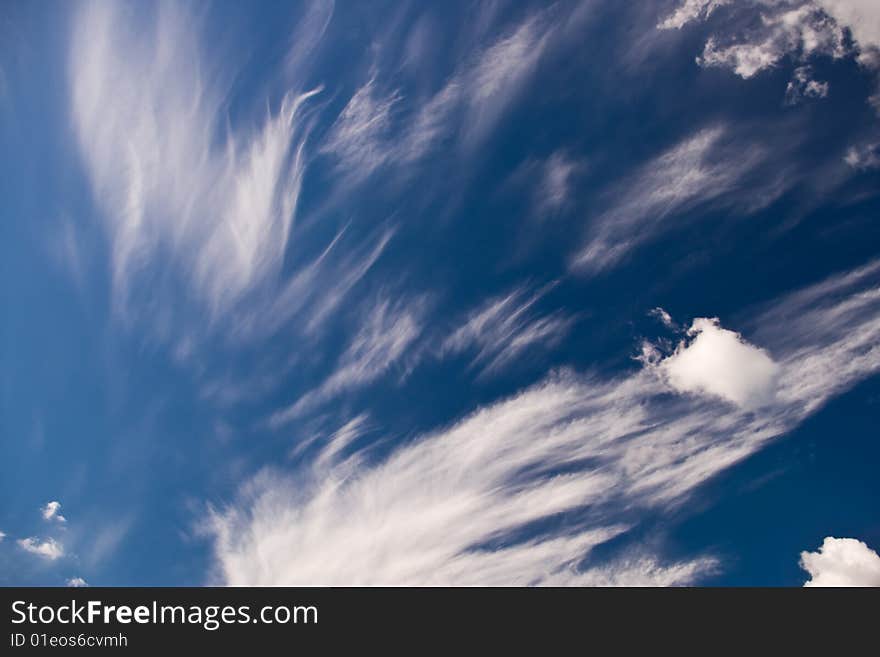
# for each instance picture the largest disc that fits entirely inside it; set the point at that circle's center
(298, 293)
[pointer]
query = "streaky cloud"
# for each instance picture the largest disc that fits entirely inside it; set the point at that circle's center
(504, 328)
(175, 182)
(692, 172)
(387, 332)
(471, 503)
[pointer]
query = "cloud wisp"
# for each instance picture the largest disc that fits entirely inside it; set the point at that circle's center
(504, 328)
(388, 332)
(482, 500)
(175, 183)
(51, 512)
(717, 361)
(694, 171)
(801, 30)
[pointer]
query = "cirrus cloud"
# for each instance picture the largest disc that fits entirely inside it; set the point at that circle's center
(523, 490)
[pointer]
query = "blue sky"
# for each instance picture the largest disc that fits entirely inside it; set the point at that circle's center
(566, 293)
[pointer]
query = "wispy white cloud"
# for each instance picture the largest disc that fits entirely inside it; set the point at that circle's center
(842, 562)
(2, 536)
(104, 542)
(664, 317)
(48, 548)
(359, 138)
(862, 18)
(554, 188)
(505, 328)
(480, 91)
(692, 172)
(76, 582)
(464, 110)
(173, 179)
(341, 439)
(690, 10)
(315, 291)
(388, 331)
(644, 571)
(550, 183)
(460, 505)
(51, 512)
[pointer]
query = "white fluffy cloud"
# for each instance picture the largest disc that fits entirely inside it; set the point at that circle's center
(717, 361)
(555, 184)
(474, 502)
(842, 562)
(862, 17)
(51, 512)
(803, 31)
(48, 548)
(690, 10)
(800, 29)
(77, 582)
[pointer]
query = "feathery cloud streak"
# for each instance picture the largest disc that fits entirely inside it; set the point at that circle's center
(694, 171)
(171, 179)
(460, 505)
(504, 328)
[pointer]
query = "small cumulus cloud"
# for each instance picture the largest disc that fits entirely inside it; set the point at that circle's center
(663, 317)
(49, 549)
(143, 125)
(719, 362)
(862, 17)
(688, 11)
(863, 157)
(842, 562)
(802, 32)
(388, 330)
(51, 512)
(799, 29)
(76, 582)
(802, 86)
